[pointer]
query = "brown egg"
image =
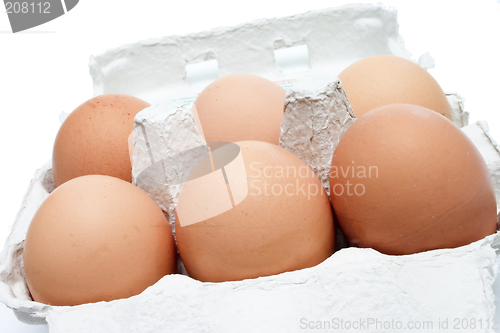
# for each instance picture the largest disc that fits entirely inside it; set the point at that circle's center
(96, 238)
(241, 107)
(277, 217)
(386, 79)
(93, 139)
(405, 179)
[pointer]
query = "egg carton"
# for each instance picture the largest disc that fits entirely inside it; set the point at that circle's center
(354, 288)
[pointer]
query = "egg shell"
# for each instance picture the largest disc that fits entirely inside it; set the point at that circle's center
(404, 179)
(285, 222)
(93, 138)
(241, 107)
(387, 79)
(96, 238)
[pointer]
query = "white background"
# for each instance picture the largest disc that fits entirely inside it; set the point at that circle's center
(44, 71)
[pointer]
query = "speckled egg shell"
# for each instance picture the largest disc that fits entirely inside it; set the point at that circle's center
(93, 139)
